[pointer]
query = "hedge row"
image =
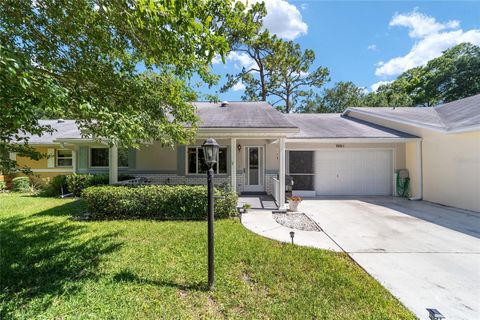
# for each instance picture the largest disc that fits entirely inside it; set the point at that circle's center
(160, 202)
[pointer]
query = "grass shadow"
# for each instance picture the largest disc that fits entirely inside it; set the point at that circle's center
(42, 258)
(128, 276)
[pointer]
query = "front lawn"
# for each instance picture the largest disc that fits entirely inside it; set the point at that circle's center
(54, 267)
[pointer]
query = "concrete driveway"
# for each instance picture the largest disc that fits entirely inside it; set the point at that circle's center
(427, 255)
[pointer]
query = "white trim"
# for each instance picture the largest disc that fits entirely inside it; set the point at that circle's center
(53, 170)
(233, 163)
(51, 158)
(261, 169)
(281, 174)
(56, 158)
(351, 140)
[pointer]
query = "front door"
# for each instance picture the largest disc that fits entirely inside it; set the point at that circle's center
(254, 169)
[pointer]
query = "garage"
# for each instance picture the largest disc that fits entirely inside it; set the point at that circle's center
(353, 172)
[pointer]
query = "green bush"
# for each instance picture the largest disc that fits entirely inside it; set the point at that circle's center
(161, 202)
(76, 182)
(55, 186)
(3, 185)
(21, 184)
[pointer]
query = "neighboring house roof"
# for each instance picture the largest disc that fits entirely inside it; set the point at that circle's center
(240, 115)
(336, 126)
(459, 115)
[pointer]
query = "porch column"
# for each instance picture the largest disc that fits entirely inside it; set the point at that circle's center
(74, 160)
(233, 163)
(281, 174)
(113, 165)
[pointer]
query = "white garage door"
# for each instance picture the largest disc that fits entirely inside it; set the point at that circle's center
(353, 172)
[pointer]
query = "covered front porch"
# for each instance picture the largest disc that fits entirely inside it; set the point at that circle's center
(247, 163)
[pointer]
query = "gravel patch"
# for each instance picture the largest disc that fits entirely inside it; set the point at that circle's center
(298, 220)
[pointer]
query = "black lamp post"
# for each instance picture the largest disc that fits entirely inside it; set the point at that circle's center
(210, 151)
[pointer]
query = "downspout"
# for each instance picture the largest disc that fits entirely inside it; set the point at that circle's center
(420, 171)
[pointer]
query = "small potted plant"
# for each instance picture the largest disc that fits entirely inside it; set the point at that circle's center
(293, 203)
(244, 208)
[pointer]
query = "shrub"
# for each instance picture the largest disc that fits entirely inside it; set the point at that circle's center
(21, 184)
(161, 202)
(77, 182)
(55, 186)
(3, 185)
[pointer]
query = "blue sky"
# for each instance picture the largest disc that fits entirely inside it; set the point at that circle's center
(367, 41)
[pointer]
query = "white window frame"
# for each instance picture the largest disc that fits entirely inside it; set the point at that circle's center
(90, 157)
(65, 158)
(196, 154)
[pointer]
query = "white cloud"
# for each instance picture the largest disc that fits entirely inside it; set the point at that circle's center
(239, 86)
(372, 47)
(241, 59)
(304, 6)
(421, 25)
(433, 38)
(374, 87)
(283, 19)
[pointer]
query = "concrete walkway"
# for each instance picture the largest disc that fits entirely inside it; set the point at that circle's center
(262, 223)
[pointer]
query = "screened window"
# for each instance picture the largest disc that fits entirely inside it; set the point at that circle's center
(64, 158)
(300, 165)
(123, 157)
(196, 161)
(99, 157)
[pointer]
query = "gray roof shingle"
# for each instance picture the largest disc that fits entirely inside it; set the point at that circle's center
(241, 115)
(63, 129)
(328, 125)
(457, 114)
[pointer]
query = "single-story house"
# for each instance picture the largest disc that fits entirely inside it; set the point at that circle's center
(357, 152)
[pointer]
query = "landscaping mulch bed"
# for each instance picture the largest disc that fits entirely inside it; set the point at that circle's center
(296, 220)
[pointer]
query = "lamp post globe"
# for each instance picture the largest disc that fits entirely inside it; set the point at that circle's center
(210, 152)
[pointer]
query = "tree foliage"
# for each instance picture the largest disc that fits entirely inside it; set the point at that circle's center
(452, 76)
(280, 71)
(336, 99)
(120, 68)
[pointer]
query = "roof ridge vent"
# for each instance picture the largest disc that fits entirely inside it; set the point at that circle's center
(224, 104)
(60, 121)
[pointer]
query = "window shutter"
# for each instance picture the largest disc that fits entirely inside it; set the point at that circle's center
(51, 158)
(82, 159)
(181, 160)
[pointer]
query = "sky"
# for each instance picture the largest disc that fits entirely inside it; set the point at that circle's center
(366, 42)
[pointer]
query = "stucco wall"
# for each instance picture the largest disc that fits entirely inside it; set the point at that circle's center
(156, 157)
(451, 165)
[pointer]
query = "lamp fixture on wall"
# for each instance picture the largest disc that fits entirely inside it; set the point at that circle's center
(239, 147)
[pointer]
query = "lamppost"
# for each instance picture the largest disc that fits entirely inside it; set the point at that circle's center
(210, 151)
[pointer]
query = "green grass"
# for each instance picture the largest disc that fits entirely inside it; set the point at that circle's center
(53, 267)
